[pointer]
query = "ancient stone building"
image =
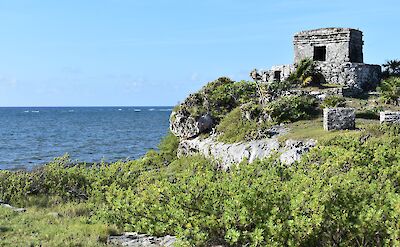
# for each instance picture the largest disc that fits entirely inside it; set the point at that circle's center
(338, 55)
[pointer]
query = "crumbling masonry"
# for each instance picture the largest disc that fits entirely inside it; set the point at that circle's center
(338, 55)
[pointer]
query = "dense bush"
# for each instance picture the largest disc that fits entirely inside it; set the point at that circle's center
(345, 192)
(234, 127)
(333, 101)
(292, 108)
(219, 97)
(391, 68)
(390, 90)
(305, 73)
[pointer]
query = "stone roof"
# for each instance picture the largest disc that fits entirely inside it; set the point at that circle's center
(329, 30)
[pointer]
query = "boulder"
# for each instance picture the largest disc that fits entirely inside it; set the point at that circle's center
(293, 150)
(184, 126)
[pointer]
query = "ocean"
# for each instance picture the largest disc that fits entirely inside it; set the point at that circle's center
(32, 136)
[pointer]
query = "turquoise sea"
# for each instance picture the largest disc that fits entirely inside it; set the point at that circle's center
(31, 136)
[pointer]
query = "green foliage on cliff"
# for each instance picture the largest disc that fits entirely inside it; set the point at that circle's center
(219, 97)
(235, 128)
(292, 108)
(345, 192)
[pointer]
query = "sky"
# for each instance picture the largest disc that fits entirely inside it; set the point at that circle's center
(156, 52)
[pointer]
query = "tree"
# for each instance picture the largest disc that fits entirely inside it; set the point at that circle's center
(392, 68)
(390, 90)
(305, 73)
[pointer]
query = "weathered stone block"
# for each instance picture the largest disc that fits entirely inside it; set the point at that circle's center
(390, 117)
(339, 118)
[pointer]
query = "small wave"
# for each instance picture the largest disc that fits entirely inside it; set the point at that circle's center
(119, 109)
(137, 110)
(70, 110)
(151, 109)
(169, 109)
(26, 111)
(35, 111)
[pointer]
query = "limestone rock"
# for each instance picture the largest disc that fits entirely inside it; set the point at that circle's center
(18, 210)
(185, 126)
(228, 154)
(293, 150)
(133, 239)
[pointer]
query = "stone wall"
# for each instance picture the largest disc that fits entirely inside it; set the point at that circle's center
(339, 118)
(269, 75)
(342, 44)
(390, 117)
(354, 75)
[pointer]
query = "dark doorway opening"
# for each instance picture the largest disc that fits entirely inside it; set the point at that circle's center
(320, 53)
(277, 75)
(356, 55)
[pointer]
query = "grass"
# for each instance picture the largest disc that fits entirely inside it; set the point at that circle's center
(313, 129)
(62, 225)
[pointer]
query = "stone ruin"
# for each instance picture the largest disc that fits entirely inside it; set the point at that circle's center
(338, 56)
(339, 118)
(390, 117)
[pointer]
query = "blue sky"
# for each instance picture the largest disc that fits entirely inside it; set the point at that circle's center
(155, 52)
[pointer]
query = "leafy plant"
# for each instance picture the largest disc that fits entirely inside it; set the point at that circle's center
(392, 68)
(292, 108)
(236, 128)
(333, 101)
(344, 192)
(219, 97)
(304, 74)
(390, 90)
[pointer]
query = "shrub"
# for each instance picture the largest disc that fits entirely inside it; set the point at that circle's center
(392, 68)
(344, 192)
(390, 90)
(333, 101)
(219, 98)
(304, 74)
(235, 128)
(368, 114)
(292, 108)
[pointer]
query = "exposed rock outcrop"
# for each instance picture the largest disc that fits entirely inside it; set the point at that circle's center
(133, 239)
(228, 154)
(185, 126)
(15, 209)
(293, 150)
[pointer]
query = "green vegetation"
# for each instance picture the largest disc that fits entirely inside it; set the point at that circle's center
(235, 128)
(292, 108)
(219, 97)
(390, 90)
(391, 68)
(305, 73)
(343, 193)
(333, 101)
(66, 224)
